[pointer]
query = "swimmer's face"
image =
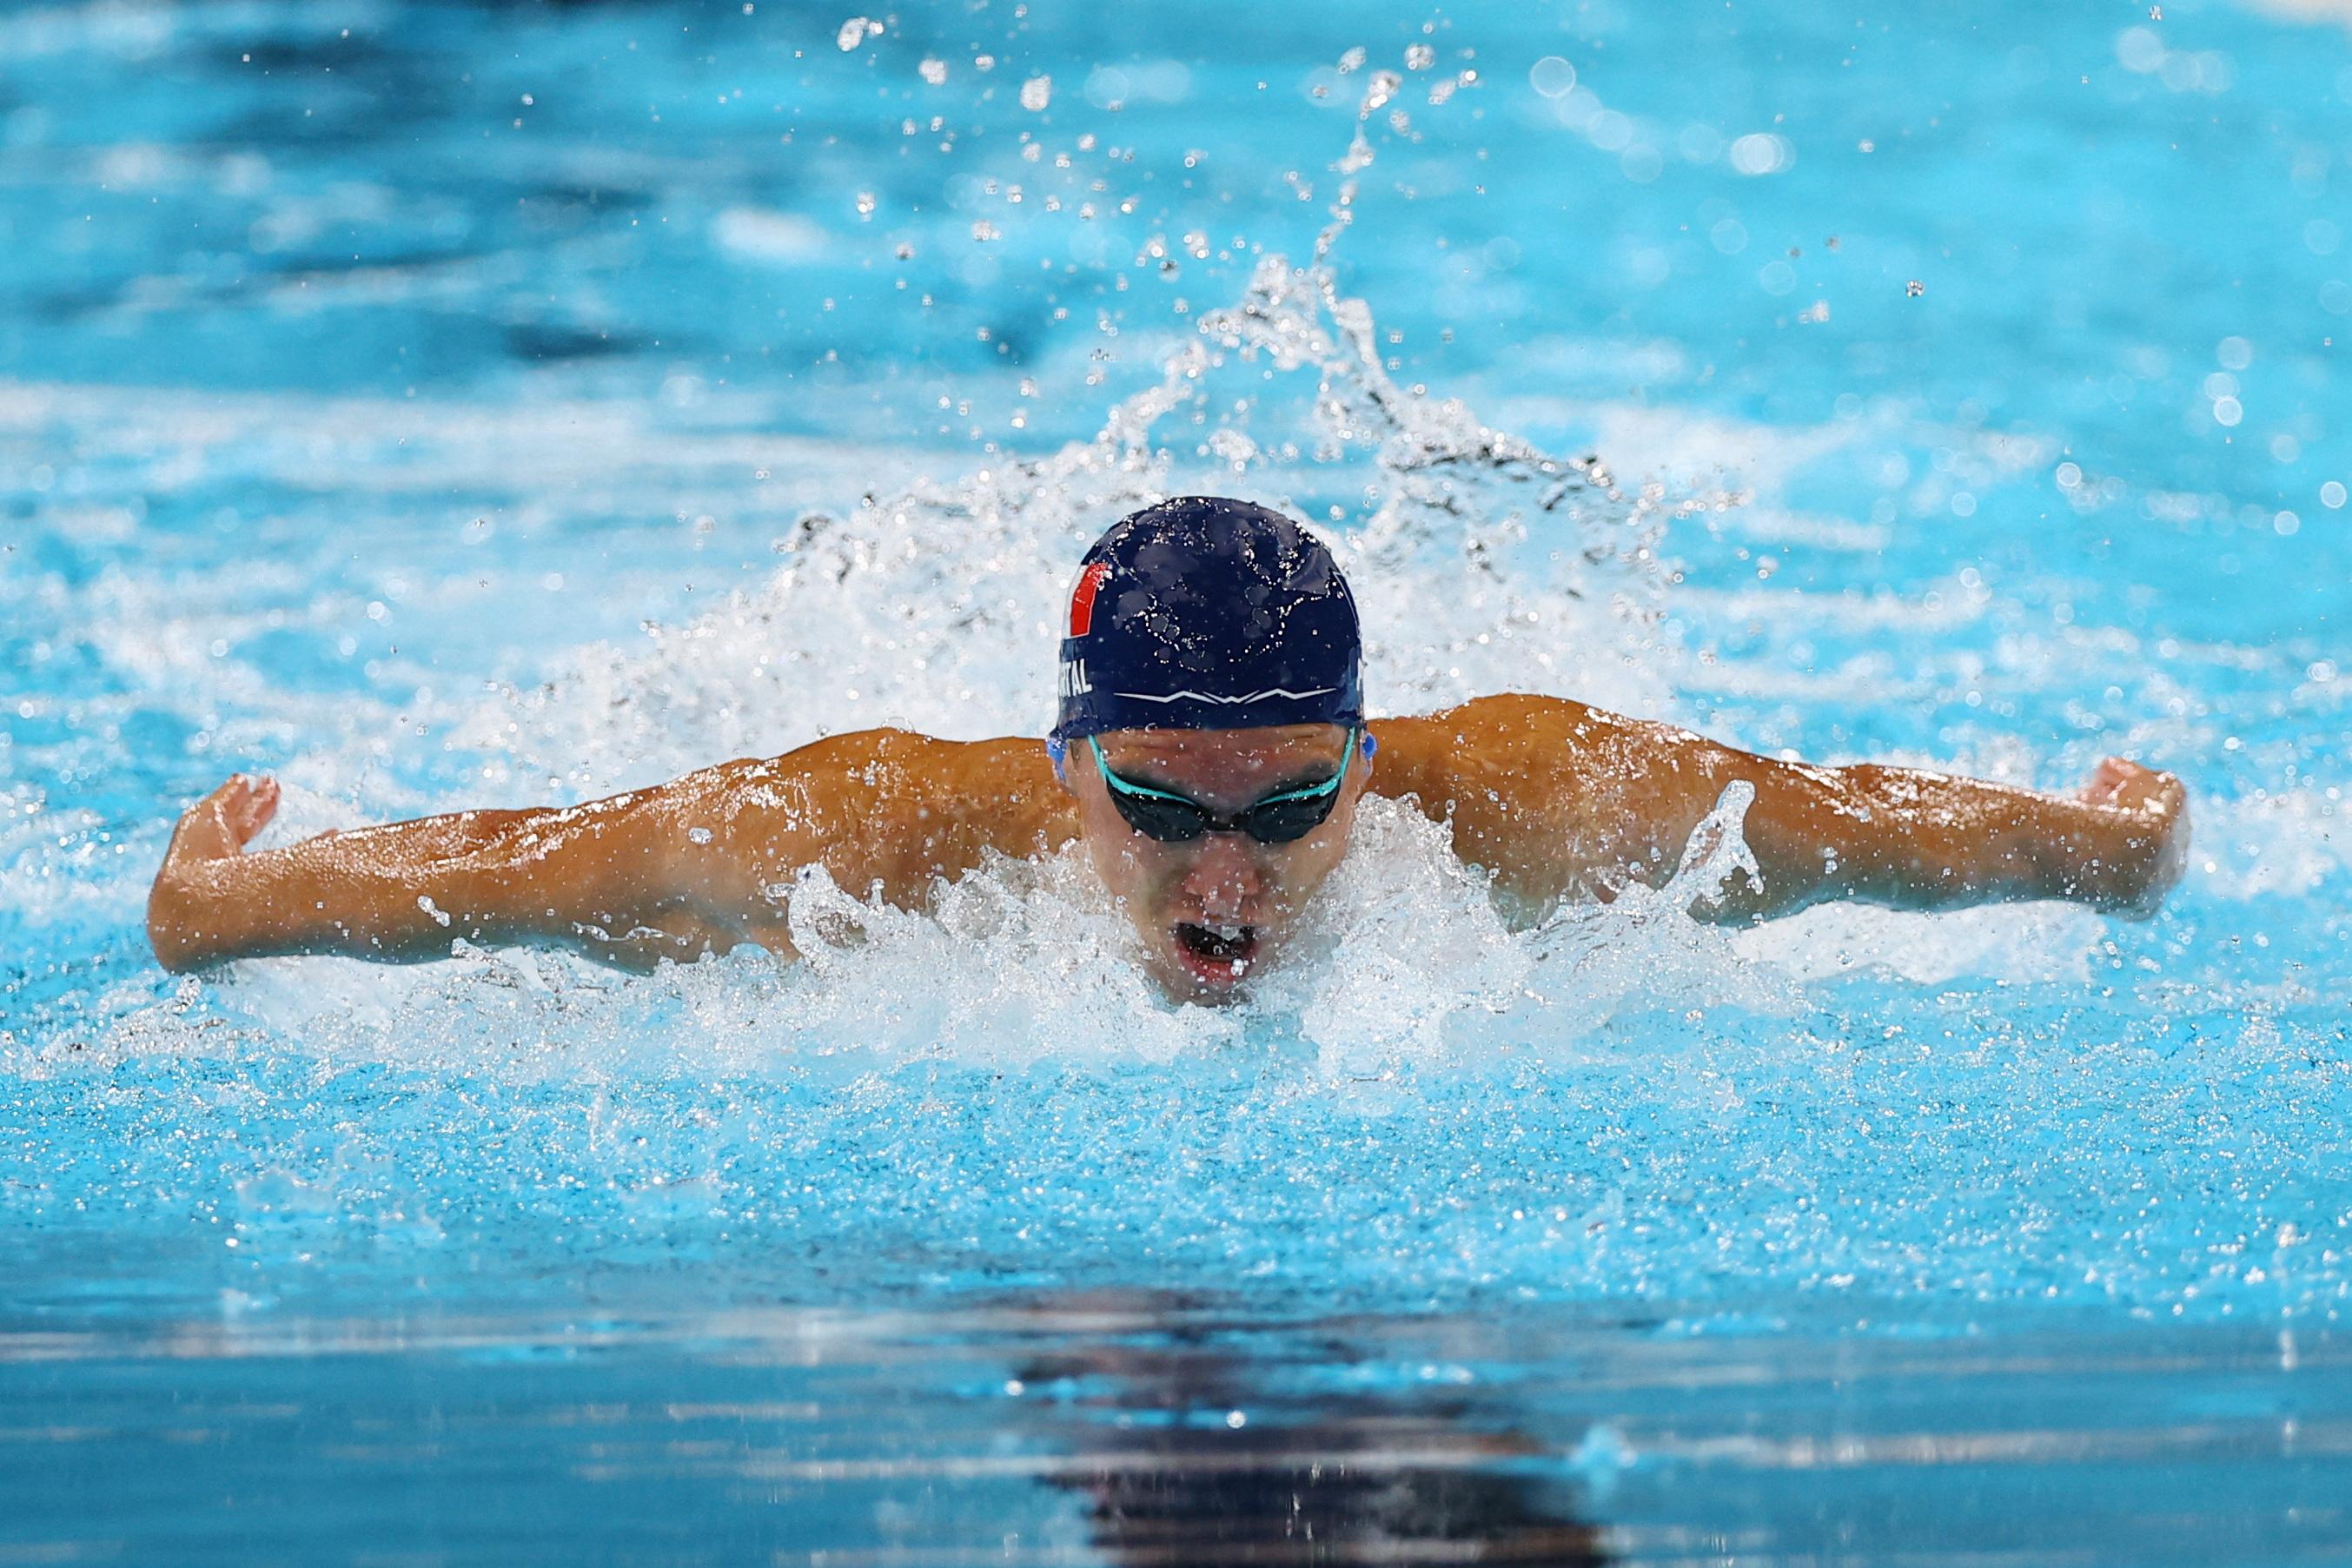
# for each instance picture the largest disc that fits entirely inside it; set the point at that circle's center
(1216, 910)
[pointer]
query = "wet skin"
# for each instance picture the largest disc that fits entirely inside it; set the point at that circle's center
(1553, 799)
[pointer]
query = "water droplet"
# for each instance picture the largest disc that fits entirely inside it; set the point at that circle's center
(934, 72)
(1762, 152)
(1419, 58)
(2139, 51)
(1036, 92)
(853, 33)
(1914, 289)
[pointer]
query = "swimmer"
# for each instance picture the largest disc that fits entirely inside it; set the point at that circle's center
(1210, 756)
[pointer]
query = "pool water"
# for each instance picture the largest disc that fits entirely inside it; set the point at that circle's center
(440, 406)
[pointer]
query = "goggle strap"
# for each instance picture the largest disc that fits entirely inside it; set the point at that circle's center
(1312, 791)
(1308, 792)
(1129, 787)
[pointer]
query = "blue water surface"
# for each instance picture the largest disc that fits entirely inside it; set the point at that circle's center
(442, 406)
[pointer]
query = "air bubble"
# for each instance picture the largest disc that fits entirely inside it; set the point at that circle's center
(1552, 76)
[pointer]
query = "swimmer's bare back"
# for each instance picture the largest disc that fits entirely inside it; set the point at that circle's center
(1555, 799)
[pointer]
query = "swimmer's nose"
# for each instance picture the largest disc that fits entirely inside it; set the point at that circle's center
(1225, 878)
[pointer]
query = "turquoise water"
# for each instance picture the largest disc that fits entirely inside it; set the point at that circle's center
(447, 407)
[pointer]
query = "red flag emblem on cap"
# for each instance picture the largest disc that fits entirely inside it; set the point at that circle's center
(1082, 597)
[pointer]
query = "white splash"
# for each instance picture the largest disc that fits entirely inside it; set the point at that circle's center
(1486, 565)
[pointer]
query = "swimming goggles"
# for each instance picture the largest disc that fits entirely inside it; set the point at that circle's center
(1173, 820)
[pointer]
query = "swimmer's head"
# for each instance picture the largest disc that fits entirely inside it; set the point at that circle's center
(1204, 614)
(1212, 661)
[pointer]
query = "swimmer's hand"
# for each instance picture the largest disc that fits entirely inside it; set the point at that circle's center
(216, 828)
(223, 822)
(2149, 815)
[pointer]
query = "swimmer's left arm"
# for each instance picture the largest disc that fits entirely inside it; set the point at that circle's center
(1556, 799)
(1906, 837)
(1911, 839)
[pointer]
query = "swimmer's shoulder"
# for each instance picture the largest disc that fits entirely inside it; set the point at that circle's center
(891, 803)
(1512, 730)
(1540, 791)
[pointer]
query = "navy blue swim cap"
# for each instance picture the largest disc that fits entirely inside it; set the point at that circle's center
(1204, 613)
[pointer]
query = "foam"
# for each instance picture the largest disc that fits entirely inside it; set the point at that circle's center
(2288, 844)
(1484, 565)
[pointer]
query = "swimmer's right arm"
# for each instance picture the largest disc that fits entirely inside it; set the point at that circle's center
(698, 865)
(594, 877)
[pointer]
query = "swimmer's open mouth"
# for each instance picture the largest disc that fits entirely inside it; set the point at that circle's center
(1219, 951)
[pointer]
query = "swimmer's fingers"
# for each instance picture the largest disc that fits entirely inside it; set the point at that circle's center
(2133, 788)
(2106, 780)
(246, 804)
(257, 807)
(224, 821)
(2154, 837)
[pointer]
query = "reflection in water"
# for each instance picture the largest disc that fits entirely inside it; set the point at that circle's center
(1189, 1456)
